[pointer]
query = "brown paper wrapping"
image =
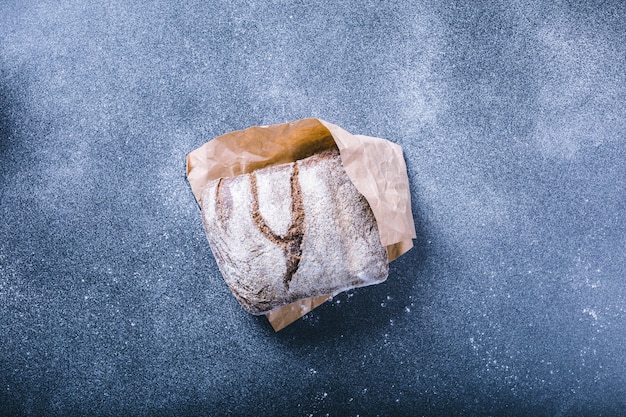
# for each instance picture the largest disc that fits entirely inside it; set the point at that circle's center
(375, 166)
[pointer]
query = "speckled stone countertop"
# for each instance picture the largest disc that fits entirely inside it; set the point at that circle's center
(511, 117)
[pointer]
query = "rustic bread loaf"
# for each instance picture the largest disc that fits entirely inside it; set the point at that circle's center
(292, 231)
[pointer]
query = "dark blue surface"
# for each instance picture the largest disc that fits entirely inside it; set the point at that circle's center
(512, 119)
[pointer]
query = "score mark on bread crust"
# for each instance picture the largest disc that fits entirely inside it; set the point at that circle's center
(291, 242)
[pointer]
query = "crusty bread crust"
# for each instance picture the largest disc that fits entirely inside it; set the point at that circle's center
(292, 231)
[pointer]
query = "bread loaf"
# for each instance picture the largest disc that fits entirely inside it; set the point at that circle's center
(292, 231)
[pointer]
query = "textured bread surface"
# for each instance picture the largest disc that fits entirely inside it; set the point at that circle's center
(292, 231)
